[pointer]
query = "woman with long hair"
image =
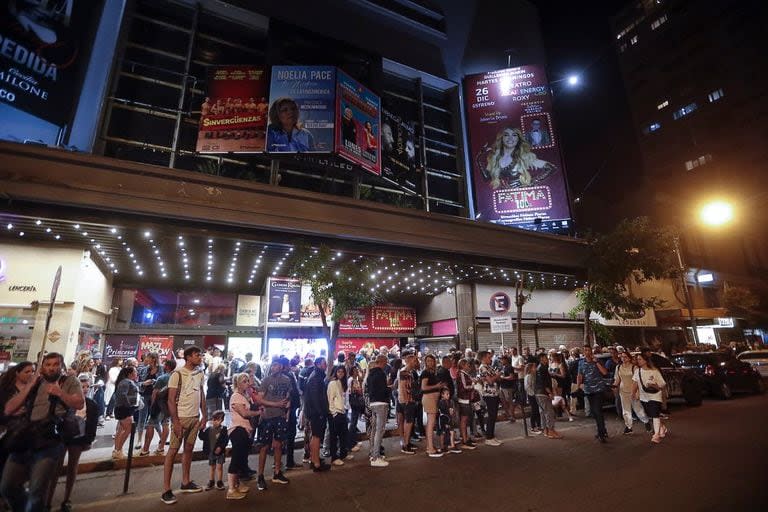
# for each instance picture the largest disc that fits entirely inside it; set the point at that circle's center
(126, 403)
(15, 386)
(624, 385)
(241, 435)
(337, 408)
(217, 389)
(511, 161)
(648, 385)
(430, 388)
(464, 391)
(356, 405)
(109, 390)
(285, 132)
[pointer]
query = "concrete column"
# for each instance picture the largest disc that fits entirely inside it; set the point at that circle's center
(465, 316)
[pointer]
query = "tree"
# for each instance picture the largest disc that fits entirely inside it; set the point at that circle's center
(337, 286)
(634, 251)
(740, 301)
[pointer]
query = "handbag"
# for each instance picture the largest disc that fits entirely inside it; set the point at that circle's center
(356, 401)
(646, 388)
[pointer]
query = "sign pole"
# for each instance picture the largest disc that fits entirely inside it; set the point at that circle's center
(49, 315)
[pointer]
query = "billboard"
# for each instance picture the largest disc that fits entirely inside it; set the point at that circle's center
(284, 296)
(301, 109)
(233, 117)
(161, 345)
(358, 132)
(120, 347)
(43, 52)
(516, 165)
(378, 320)
(398, 147)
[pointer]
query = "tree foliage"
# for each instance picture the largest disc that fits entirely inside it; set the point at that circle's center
(635, 251)
(740, 301)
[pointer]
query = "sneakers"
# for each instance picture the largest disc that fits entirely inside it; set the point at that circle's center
(602, 438)
(168, 498)
(379, 463)
(279, 478)
(435, 454)
(241, 488)
(143, 454)
(322, 467)
(536, 431)
(261, 484)
(454, 449)
(493, 442)
(570, 418)
(306, 460)
(235, 494)
(468, 445)
(118, 455)
(337, 462)
(220, 486)
(407, 450)
(159, 451)
(627, 431)
(210, 486)
(190, 487)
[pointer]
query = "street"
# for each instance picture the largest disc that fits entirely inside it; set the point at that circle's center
(712, 459)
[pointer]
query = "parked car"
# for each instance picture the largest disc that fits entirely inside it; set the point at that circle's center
(758, 359)
(681, 382)
(722, 373)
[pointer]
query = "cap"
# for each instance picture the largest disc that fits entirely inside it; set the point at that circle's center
(619, 348)
(562, 347)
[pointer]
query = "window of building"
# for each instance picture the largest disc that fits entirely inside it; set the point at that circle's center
(662, 105)
(715, 95)
(633, 40)
(623, 48)
(658, 22)
(696, 162)
(652, 128)
(684, 111)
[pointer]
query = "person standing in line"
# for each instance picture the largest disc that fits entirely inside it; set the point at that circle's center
(464, 391)
(529, 382)
(430, 389)
(214, 396)
(148, 374)
(377, 393)
(274, 395)
(304, 374)
(407, 402)
(159, 412)
(186, 403)
(127, 401)
(624, 386)
(316, 412)
(508, 387)
(356, 406)
(337, 416)
(590, 379)
(215, 439)
(648, 386)
(242, 412)
(293, 406)
(109, 390)
(489, 379)
(544, 396)
(100, 380)
(572, 363)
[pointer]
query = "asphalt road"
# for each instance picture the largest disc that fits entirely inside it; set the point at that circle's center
(713, 459)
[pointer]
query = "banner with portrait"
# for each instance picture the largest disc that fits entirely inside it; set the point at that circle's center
(233, 116)
(301, 109)
(358, 134)
(284, 299)
(398, 146)
(44, 50)
(516, 163)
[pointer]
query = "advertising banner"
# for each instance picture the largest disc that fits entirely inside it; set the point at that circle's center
(516, 165)
(120, 347)
(248, 310)
(398, 147)
(233, 117)
(356, 321)
(161, 345)
(284, 295)
(378, 320)
(310, 313)
(43, 52)
(358, 111)
(301, 109)
(357, 344)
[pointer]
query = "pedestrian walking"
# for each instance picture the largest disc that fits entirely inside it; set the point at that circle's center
(544, 396)
(590, 379)
(624, 385)
(648, 386)
(186, 403)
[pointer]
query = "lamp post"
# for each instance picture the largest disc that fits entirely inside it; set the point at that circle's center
(688, 303)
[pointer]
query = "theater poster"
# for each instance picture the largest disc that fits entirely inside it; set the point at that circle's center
(516, 165)
(233, 115)
(398, 146)
(284, 298)
(358, 130)
(160, 345)
(118, 346)
(301, 109)
(44, 50)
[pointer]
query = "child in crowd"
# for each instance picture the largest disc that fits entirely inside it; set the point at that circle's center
(215, 439)
(446, 422)
(558, 402)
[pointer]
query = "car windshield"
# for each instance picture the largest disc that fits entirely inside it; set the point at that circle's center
(691, 359)
(753, 355)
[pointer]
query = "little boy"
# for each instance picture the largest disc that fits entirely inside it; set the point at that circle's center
(446, 423)
(215, 439)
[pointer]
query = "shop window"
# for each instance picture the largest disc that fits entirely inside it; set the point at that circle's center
(158, 308)
(662, 105)
(658, 22)
(696, 162)
(715, 95)
(684, 111)
(652, 128)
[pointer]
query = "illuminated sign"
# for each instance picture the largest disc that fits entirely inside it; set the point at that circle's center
(705, 278)
(725, 322)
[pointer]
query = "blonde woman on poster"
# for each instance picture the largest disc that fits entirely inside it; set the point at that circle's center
(511, 162)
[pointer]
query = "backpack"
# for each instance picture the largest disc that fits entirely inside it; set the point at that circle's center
(160, 405)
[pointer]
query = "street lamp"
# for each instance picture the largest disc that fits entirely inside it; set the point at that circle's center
(573, 80)
(716, 213)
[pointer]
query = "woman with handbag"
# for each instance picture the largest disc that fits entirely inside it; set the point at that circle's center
(127, 401)
(648, 384)
(15, 386)
(356, 405)
(337, 412)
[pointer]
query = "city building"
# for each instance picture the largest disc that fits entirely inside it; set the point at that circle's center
(102, 163)
(693, 76)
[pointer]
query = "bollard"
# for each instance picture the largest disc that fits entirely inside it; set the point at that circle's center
(129, 461)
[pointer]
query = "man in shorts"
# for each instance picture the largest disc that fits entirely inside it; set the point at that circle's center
(186, 403)
(316, 410)
(274, 394)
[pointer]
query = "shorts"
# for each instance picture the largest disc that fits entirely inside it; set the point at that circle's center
(272, 429)
(157, 421)
(508, 394)
(124, 412)
(189, 428)
(408, 411)
(214, 459)
(465, 410)
(317, 425)
(652, 408)
(429, 402)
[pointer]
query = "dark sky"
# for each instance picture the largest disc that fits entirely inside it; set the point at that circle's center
(594, 120)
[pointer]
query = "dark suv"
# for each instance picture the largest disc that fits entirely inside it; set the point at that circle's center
(681, 382)
(722, 373)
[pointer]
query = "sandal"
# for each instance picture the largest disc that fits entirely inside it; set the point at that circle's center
(143, 454)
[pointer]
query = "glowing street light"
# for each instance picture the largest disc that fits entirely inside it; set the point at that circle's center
(716, 213)
(573, 80)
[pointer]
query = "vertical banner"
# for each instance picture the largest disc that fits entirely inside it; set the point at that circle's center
(120, 347)
(161, 345)
(358, 133)
(233, 116)
(248, 310)
(43, 51)
(516, 165)
(398, 147)
(301, 109)
(284, 296)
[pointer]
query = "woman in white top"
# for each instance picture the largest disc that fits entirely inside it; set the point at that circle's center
(648, 383)
(337, 407)
(241, 434)
(109, 390)
(623, 383)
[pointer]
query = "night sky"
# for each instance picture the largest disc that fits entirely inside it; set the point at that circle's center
(594, 120)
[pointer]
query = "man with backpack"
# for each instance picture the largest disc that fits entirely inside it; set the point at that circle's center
(158, 410)
(35, 456)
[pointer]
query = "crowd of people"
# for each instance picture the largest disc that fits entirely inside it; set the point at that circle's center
(450, 401)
